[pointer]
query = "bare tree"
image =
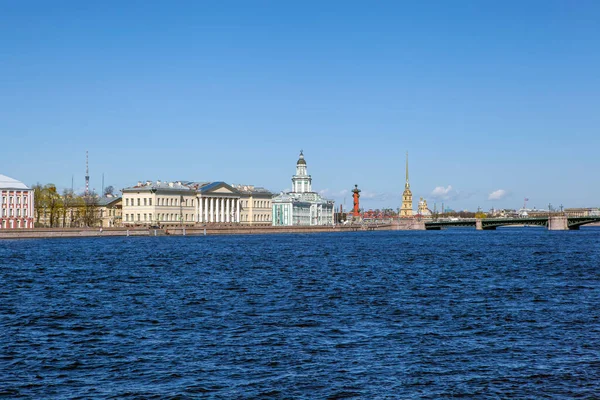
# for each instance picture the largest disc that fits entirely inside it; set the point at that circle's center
(109, 190)
(90, 212)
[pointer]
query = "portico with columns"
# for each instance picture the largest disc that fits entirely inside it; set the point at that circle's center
(218, 202)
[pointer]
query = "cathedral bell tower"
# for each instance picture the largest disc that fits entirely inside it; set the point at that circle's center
(407, 206)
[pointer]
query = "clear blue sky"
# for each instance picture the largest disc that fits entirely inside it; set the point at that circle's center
(485, 96)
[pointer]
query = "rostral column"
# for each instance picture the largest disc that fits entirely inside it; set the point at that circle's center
(356, 195)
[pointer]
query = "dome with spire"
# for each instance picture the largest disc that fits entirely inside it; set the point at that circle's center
(301, 159)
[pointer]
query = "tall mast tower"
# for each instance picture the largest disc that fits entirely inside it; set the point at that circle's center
(87, 175)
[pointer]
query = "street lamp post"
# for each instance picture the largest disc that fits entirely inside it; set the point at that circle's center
(181, 210)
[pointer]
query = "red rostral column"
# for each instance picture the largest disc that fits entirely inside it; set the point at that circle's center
(356, 195)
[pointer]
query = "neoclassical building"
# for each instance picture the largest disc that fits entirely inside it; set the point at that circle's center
(302, 206)
(255, 205)
(110, 211)
(180, 203)
(16, 204)
(407, 204)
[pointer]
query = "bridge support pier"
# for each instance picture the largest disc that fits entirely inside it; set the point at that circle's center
(478, 224)
(558, 223)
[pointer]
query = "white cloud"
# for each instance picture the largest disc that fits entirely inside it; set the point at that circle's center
(332, 193)
(444, 193)
(497, 194)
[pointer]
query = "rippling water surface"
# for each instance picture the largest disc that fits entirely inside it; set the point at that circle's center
(512, 313)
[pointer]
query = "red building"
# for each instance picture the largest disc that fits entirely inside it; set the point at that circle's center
(16, 202)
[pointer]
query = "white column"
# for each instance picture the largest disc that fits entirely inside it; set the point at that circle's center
(219, 206)
(222, 210)
(200, 209)
(212, 209)
(216, 209)
(223, 201)
(228, 215)
(237, 210)
(205, 206)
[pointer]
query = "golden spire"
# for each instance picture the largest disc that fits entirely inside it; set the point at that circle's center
(407, 185)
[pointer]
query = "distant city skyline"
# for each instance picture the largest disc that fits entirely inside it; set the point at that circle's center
(494, 102)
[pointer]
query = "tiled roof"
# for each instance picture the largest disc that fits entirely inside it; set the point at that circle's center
(104, 201)
(214, 185)
(251, 189)
(149, 185)
(10, 183)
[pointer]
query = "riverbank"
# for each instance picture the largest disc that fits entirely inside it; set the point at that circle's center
(225, 229)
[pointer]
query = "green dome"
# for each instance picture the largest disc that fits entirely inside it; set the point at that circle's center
(301, 159)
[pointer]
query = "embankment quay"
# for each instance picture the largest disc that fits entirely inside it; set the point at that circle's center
(184, 231)
(551, 223)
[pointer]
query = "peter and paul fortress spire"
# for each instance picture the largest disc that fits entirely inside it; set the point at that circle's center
(407, 185)
(407, 209)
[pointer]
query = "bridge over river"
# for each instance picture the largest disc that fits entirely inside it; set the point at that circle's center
(553, 222)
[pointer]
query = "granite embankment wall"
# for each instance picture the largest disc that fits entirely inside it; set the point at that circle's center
(210, 229)
(69, 232)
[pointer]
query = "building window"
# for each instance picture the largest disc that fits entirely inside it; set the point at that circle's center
(145, 201)
(138, 215)
(149, 202)
(150, 216)
(138, 203)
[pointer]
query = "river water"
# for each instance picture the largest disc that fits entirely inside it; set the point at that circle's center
(512, 313)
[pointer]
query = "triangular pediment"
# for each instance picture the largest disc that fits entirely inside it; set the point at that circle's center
(222, 190)
(218, 188)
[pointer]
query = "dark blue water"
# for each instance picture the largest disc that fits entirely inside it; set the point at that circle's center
(513, 313)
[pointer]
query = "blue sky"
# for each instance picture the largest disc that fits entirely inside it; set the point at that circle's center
(493, 101)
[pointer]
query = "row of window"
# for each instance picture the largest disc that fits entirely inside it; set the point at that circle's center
(161, 201)
(256, 203)
(14, 199)
(111, 213)
(257, 218)
(14, 224)
(147, 217)
(11, 212)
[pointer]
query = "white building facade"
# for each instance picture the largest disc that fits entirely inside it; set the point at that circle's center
(17, 204)
(302, 206)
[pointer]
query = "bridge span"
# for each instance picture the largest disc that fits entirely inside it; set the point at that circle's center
(553, 223)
